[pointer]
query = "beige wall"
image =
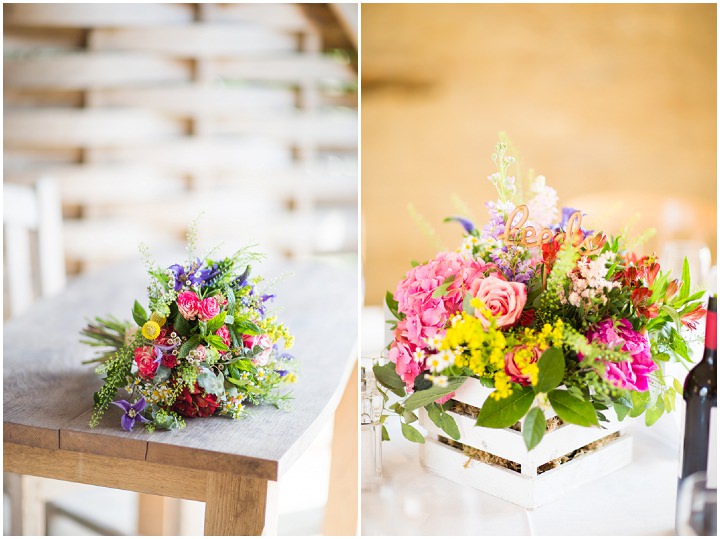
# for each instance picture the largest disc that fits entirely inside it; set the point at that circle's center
(598, 98)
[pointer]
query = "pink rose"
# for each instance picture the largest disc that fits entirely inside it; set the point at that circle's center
(511, 366)
(145, 361)
(208, 309)
(263, 341)
(188, 304)
(505, 299)
(631, 374)
(224, 334)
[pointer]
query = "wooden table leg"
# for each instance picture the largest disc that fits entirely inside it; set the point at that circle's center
(341, 513)
(237, 505)
(158, 515)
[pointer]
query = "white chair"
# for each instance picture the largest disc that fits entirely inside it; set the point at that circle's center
(32, 212)
(34, 267)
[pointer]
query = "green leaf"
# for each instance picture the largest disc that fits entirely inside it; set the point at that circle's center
(661, 356)
(385, 435)
(162, 374)
(673, 314)
(182, 326)
(189, 345)
(440, 290)
(409, 417)
(506, 412)
(386, 375)
(392, 304)
(246, 327)
(656, 411)
(551, 367)
(621, 410)
(411, 433)
(533, 428)
(216, 322)
(442, 420)
(572, 410)
(685, 286)
(216, 342)
(139, 314)
(640, 401)
(678, 386)
(421, 398)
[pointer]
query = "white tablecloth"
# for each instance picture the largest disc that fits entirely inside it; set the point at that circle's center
(636, 500)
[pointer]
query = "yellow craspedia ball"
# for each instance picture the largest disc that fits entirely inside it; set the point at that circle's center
(151, 330)
(158, 318)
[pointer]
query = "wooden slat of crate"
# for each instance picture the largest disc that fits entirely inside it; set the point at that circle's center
(189, 99)
(88, 128)
(17, 99)
(288, 68)
(87, 70)
(91, 15)
(195, 40)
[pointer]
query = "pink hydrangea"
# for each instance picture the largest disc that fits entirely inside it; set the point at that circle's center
(401, 353)
(633, 373)
(425, 315)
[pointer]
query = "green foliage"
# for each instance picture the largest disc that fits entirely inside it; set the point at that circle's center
(551, 370)
(503, 413)
(440, 290)
(533, 428)
(117, 371)
(386, 375)
(411, 433)
(393, 306)
(443, 420)
(139, 314)
(571, 409)
(189, 345)
(420, 399)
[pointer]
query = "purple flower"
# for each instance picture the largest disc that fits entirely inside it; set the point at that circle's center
(565, 217)
(496, 224)
(194, 275)
(466, 223)
(132, 412)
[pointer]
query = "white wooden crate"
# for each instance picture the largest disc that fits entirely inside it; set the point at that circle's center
(526, 488)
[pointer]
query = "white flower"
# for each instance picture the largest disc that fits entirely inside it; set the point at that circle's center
(441, 361)
(542, 207)
(439, 381)
(418, 356)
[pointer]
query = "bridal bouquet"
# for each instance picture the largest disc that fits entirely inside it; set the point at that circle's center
(205, 345)
(548, 314)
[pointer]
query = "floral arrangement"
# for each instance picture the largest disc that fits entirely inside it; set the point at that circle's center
(207, 347)
(546, 313)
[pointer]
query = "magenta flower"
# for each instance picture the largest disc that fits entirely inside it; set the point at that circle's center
(132, 412)
(630, 374)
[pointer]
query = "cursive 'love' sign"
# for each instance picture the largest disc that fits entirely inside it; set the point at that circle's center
(528, 236)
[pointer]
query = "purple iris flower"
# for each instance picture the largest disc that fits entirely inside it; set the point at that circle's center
(466, 223)
(242, 280)
(282, 373)
(195, 275)
(159, 349)
(132, 412)
(565, 217)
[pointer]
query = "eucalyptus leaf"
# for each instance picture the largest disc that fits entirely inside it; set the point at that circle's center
(162, 374)
(442, 420)
(506, 412)
(421, 398)
(386, 375)
(533, 428)
(571, 409)
(411, 433)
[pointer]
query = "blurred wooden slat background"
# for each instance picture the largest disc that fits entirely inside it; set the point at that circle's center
(148, 114)
(600, 98)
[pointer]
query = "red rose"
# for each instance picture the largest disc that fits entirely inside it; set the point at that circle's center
(195, 403)
(145, 360)
(169, 360)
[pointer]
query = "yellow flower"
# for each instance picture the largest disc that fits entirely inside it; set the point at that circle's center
(151, 330)
(158, 318)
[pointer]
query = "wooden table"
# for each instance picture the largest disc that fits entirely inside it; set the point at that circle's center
(233, 466)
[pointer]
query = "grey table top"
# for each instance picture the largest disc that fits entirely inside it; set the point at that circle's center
(47, 391)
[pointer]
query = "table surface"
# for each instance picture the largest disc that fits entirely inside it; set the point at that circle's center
(47, 391)
(636, 500)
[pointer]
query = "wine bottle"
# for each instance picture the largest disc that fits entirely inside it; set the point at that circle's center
(700, 395)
